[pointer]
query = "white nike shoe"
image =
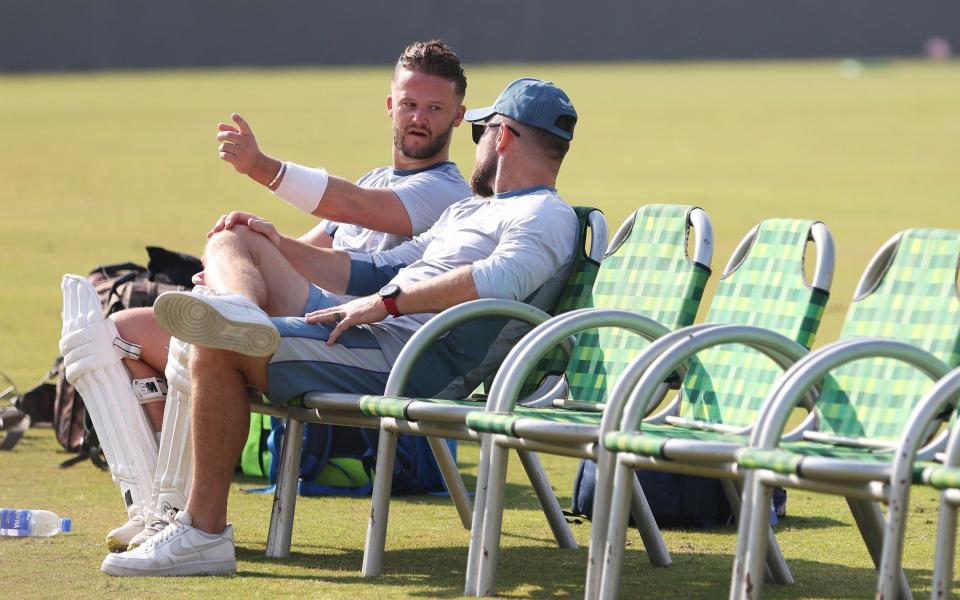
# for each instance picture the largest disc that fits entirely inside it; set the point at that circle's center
(119, 538)
(180, 549)
(153, 525)
(229, 322)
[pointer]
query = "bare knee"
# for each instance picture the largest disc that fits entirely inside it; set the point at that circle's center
(139, 327)
(238, 238)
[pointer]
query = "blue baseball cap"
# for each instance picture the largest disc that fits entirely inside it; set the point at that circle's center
(533, 102)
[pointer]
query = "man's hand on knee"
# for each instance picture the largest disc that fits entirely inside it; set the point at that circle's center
(251, 221)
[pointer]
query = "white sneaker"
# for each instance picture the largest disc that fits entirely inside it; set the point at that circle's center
(180, 549)
(119, 538)
(229, 322)
(153, 526)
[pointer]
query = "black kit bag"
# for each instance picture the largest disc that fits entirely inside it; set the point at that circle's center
(120, 286)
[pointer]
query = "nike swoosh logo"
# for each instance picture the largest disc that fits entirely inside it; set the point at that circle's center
(177, 548)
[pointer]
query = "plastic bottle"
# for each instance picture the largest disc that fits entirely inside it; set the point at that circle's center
(42, 523)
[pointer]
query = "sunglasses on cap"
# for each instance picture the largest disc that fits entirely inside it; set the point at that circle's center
(479, 129)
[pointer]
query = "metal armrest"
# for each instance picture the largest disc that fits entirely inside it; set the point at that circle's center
(521, 361)
(447, 320)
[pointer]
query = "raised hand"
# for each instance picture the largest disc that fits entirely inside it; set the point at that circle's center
(238, 145)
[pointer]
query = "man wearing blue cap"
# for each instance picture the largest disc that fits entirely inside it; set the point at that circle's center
(515, 239)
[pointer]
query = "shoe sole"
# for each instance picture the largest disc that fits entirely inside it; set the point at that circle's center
(223, 567)
(192, 320)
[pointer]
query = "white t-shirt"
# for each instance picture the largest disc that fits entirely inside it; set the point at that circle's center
(425, 194)
(520, 244)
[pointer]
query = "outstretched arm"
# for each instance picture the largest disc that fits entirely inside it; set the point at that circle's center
(430, 296)
(343, 201)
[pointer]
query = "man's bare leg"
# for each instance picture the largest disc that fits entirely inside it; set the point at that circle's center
(221, 417)
(137, 325)
(241, 261)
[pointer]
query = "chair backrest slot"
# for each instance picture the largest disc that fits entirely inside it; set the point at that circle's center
(646, 270)
(763, 286)
(908, 293)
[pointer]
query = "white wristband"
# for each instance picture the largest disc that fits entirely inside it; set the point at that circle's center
(302, 186)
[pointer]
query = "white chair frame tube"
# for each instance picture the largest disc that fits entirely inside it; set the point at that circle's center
(418, 344)
(943, 394)
(747, 581)
(506, 387)
(655, 370)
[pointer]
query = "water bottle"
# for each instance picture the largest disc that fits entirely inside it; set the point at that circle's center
(42, 523)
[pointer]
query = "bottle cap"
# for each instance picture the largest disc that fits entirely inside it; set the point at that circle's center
(66, 524)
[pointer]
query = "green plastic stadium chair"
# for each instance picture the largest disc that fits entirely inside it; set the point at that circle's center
(767, 267)
(901, 332)
(764, 316)
(763, 285)
(344, 409)
(634, 262)
(907, 470)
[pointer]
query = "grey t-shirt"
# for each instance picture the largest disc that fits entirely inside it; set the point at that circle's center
(520, 244)
(425, 194)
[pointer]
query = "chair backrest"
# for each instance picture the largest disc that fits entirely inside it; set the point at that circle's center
(763, 286)
(591, 244)
(909, 294)
(646, 270)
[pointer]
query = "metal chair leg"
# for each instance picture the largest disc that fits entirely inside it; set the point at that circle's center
(647, 526)
(616, 532)
(602, 494)
(380, 509)
(945, 550)
(476, 527)
(492, 521)
(870, 522)
(548, 500)
(285, 495)
(750, 569)
(452, 479)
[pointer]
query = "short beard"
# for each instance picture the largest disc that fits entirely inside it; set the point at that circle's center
(428, 151)
(481, 182)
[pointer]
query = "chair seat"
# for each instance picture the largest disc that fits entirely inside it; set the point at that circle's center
(399, 407)
(485, 422)
(941, 478)
(826, 461)
(653, 437)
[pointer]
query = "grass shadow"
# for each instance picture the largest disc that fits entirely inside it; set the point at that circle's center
(550, 572)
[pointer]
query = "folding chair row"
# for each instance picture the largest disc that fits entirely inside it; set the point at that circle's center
(763, 288)
(901, 334)
(632, 344)
(907, 297)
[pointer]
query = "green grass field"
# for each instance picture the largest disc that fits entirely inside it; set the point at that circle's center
(95, 167)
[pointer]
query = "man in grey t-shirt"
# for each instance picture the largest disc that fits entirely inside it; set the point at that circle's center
(385, 207)
(518, 244)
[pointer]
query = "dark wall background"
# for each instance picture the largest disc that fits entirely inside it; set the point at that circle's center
(44, 35)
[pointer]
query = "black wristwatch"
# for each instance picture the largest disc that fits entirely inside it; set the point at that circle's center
(388, 294)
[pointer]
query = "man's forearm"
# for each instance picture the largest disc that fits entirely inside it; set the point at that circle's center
(439, 293)
(324, 267)
(315, 191)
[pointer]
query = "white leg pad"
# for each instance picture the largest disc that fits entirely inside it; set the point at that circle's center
(94, 367)
(175, 461)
